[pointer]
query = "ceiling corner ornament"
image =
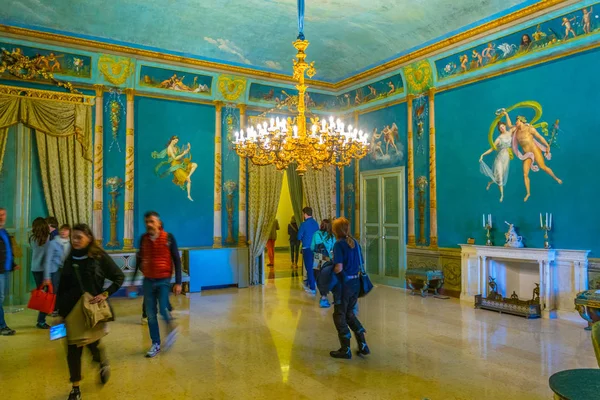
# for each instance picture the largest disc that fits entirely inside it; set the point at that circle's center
(231, 87)
(287, 141)
(115, 69)
(419, 77)
(18, 65)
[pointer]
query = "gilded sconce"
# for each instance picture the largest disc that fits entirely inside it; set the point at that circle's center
(113, 184)
(421, 185)
(349, 193)
(229, 187)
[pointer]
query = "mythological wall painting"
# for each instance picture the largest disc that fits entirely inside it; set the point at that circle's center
(179, 81)
(519, 132)
(382, 89)
(553, 33)
(55, 61)
(375, 91)
(176, 161)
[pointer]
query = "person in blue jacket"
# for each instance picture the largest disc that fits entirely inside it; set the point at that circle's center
(305, 234)
(322, 248)
(347, 262)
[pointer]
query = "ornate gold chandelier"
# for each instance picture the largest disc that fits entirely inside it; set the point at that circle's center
(287, 141)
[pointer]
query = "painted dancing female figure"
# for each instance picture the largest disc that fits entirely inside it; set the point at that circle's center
(499, 171)
(182, 168)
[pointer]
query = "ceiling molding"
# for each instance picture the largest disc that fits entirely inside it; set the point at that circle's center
(336, 88)
(448, 43)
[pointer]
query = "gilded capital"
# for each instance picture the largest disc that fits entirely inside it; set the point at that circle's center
(409, 99)
(242, 108)
(130, 93)
(219, 105)
(99, 90)
(431, 93)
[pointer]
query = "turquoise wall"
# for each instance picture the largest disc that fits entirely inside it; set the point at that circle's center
(568, 89)
(156, 121)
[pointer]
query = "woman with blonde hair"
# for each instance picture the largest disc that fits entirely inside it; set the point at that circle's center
(347, 261)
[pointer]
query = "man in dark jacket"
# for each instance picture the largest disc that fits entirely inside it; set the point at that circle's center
(7, 265)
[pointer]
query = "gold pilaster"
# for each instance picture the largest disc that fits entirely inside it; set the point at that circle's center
(217, 228)
(342, 192)
(98, 165)
(129, 171)
(412, 240)
(356, 188)
(433, 231)
(242, 220)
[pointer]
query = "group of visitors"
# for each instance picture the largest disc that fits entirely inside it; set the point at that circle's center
(72, 265)
(331, 256)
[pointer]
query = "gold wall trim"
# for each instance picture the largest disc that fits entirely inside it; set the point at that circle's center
(343, 84)
(514, 68)
(447, 43)
(209, 65)
(382, 106)
(47, 95)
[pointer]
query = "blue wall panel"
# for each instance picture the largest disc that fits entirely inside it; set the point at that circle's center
(156, 121)
(568, 90)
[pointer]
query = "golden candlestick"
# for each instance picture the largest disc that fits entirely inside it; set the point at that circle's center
(421, 185)
(488, 228)
(114, 184)
(230, 188)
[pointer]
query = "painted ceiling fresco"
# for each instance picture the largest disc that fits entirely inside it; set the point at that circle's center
(346, 36)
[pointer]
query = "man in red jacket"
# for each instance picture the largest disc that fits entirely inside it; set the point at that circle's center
(157, 255)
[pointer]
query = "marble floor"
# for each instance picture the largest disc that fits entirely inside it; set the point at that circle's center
(272, 342)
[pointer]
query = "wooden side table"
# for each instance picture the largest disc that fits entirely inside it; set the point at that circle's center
(425, 279)
(576, 384)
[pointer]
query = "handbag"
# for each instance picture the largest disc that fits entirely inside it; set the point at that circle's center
(365, 282)
(42, 301)
(94, 313)
(78, 333)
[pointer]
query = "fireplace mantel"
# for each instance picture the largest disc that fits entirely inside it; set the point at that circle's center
(563, 274)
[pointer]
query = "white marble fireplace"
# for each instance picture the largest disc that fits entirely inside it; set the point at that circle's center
(561, 274)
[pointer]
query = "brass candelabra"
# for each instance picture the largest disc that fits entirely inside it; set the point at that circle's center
(546, 227)
(230, 188)
(114, 184)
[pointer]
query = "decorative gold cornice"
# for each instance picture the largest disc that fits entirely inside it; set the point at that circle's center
(47, 95)
(247, 71)
(514, 68)
(99, 90)
(114, 48)
(382, 106)
(130, 94)
(449, 42)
